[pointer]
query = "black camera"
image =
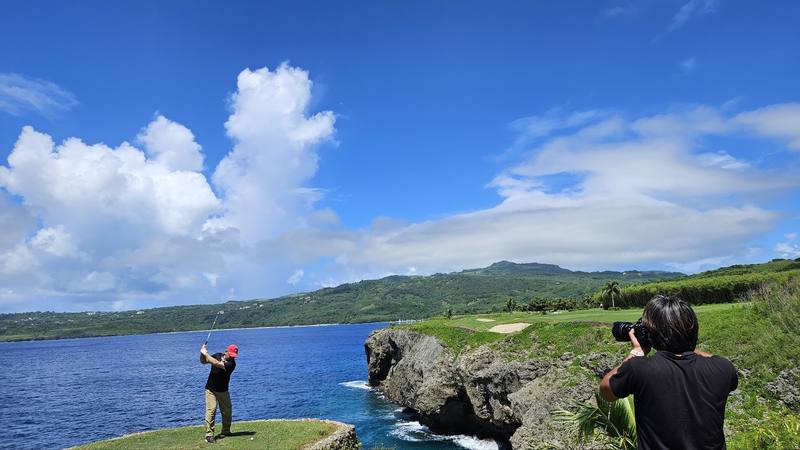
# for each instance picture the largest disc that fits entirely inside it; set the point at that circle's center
(620, 331)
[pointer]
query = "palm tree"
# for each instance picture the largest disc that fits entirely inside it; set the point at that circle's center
(611, 290)
(613, 422)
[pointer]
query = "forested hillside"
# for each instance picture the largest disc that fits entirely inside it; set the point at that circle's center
(390, 298)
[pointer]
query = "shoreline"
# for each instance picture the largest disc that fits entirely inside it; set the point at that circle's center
(184, 331)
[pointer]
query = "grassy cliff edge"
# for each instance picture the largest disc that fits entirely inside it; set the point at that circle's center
(761, 337)
(257, 434)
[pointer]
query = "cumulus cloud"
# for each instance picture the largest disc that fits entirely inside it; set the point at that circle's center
(172, 145)
(262, 178)
(56, 242)
(20, 94)
(93, 221)
(91, 189)
(15, 222)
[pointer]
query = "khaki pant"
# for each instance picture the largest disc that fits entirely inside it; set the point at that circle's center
(223, 399)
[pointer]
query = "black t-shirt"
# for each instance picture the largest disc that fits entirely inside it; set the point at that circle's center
(218, 379)
(679, 399)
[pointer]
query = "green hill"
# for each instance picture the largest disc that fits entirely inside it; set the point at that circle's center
(390, 298)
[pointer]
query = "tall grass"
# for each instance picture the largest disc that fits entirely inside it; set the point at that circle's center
(701, 290)
(780, 302)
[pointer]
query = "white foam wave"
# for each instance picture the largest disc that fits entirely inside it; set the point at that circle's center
(414, 431)
(357, 384)
(411, 431)
(473, 443)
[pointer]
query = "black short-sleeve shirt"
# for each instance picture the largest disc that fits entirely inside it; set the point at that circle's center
(679, 400)
(219, 379)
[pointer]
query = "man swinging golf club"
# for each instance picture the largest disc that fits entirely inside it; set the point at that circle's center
(222, 366)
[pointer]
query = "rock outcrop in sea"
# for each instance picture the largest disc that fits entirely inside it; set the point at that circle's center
(484, 392)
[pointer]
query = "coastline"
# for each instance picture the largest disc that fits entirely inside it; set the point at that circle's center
(5, 341)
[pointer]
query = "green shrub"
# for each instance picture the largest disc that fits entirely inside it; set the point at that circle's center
(778, 433)
(705, 289)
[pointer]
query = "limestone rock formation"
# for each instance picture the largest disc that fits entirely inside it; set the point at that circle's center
(786, 388)
(484, 392)
(344, 438)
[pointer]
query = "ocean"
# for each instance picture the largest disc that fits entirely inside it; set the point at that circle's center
(68, 392)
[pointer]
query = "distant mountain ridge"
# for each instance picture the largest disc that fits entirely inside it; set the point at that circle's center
(508, 268)
(389, 298)
(502, 268)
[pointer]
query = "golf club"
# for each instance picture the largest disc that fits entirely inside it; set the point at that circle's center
(212, 326)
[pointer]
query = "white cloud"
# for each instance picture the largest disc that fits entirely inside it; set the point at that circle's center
(55, 241)
(120, 223)
(212, 278)
(296, 277)
(17, 260)
(699, 265)
(20, 94)
(642, 193)
(15, 222)
(688, 10)
(171, 145)
(722, 160)
(788, 248)
(262, 178)
(95, 282)
(781, 121)
(91, 189)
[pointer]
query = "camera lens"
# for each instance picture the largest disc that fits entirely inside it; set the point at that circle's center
(620, 331)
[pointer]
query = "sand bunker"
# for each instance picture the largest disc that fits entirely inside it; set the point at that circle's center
(509, 327)
(485, 320)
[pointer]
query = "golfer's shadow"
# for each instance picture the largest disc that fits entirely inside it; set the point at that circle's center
(238, 433)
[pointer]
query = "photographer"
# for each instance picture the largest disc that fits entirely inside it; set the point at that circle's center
(679, 393)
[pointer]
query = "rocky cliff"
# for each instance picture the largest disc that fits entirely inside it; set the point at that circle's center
(344, 438)
(484, 392)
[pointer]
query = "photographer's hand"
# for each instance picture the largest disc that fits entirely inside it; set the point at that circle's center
(606, 392)
(635, 343)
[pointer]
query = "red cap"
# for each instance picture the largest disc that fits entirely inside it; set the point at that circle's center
(233, 350)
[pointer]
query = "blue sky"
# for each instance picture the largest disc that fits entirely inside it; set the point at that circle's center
(386, 137)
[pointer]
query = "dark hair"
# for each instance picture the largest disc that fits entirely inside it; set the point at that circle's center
(672, 324)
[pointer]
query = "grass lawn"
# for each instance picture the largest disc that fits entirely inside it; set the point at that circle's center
(581, 331)
(260, 434)
(586, 315)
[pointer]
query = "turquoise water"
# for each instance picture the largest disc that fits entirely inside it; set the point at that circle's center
(68, 392)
